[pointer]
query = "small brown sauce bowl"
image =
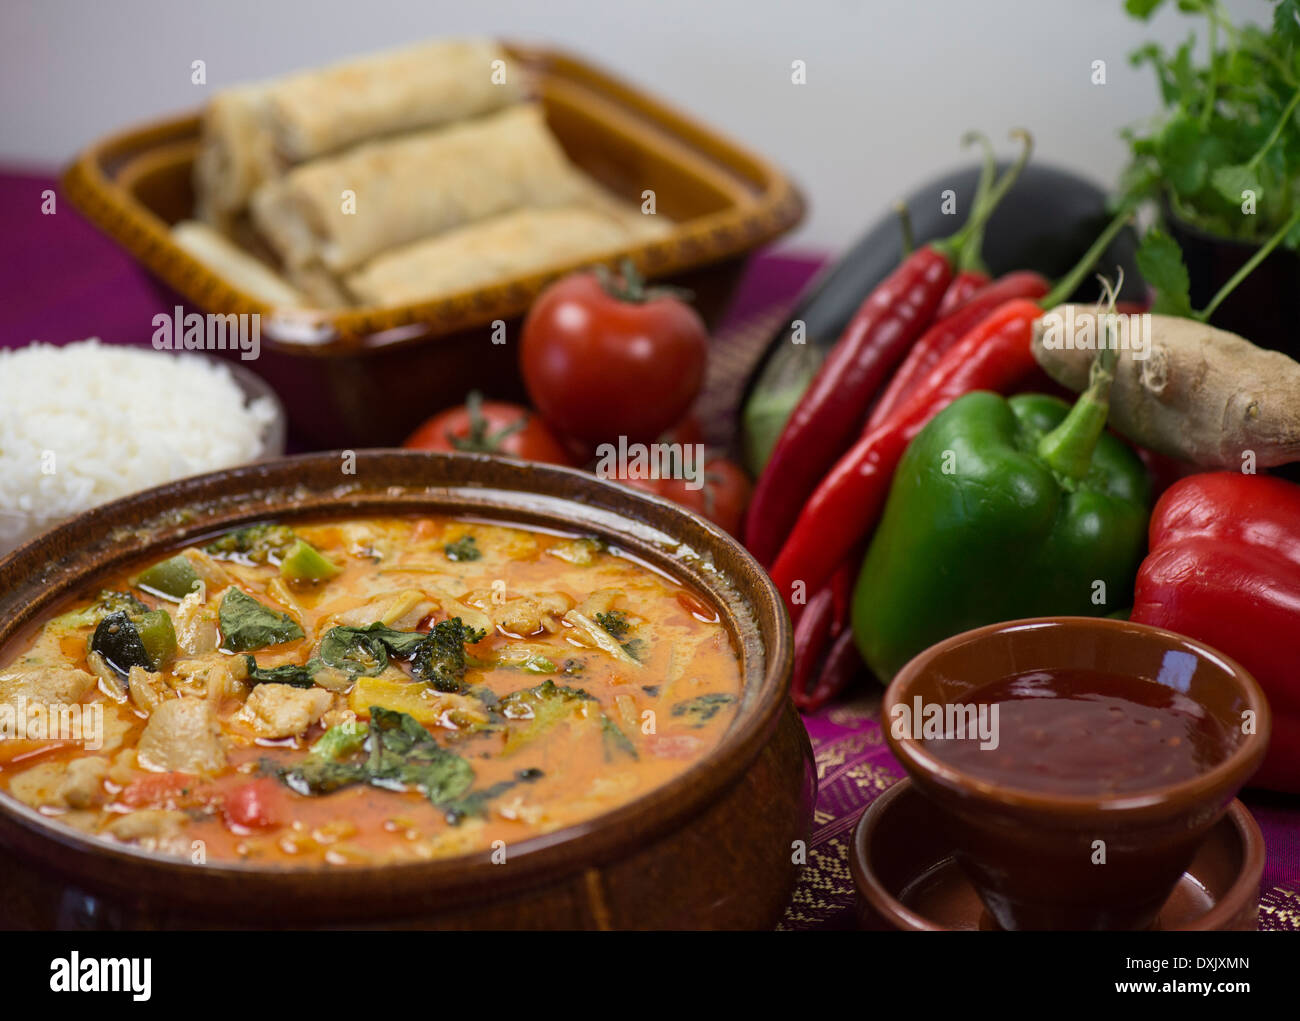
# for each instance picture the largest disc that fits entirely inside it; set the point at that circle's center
(1043, 860)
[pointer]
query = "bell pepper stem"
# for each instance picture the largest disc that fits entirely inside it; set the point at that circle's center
(1068, 448)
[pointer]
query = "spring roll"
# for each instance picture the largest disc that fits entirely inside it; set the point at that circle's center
(235, 155)
(341, 211)
(321, 286)
(253, 133)
(235, 265)
(421, 86)
(495, 250)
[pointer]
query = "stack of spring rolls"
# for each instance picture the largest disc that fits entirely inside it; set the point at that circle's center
(401, 177)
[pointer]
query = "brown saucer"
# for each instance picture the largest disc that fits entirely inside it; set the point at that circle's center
(907, 877)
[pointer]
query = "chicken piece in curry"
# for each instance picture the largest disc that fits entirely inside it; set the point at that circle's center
(363, 692)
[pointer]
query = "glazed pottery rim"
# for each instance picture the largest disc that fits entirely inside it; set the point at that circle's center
(869, 886)
(598, 838)
(1228, 774)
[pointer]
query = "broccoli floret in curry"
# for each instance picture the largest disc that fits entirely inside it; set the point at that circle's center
(255, 543)
(440, 658)
(615, 622)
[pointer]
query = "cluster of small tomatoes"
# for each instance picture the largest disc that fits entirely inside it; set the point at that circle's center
(603, 359)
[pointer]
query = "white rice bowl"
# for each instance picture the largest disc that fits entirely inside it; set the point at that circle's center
(89, 422)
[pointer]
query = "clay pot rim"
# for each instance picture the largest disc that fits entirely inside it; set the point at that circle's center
(1227, 775)
(704, 556)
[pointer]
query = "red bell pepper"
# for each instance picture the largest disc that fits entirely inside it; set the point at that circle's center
(1224, 568)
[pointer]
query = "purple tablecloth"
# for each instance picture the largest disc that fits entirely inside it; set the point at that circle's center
(63, 281)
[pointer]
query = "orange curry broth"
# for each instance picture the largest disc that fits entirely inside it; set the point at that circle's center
(684, 652)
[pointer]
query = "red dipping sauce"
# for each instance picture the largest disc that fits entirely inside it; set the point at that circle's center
(1085, 733)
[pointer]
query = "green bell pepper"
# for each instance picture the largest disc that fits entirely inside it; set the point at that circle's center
(304, 563)
(174, 578)
(1002, 509)
(158, 636)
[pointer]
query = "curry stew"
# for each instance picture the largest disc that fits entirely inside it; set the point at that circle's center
(363, 692)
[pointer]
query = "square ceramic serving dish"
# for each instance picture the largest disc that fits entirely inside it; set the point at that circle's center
(367, 376)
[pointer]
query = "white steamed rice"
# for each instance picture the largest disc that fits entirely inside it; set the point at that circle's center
(110, 421)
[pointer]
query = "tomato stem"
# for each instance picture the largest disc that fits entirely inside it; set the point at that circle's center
(630, 285)
(479, 440)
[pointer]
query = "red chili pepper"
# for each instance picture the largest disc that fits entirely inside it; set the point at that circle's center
(941, 336)
(811, 634)
(832, 409)
(843, 663)
(964, 285)
(830, 413)
(843, 509)
(817, 627)
(1224, 568)
(973, 273)
(841, 586)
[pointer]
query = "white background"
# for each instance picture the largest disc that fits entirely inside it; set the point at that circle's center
(892, 84)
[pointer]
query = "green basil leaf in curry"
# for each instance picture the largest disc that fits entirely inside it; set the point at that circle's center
(247, 624)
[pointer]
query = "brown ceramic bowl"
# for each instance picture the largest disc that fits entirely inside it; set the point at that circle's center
(1031, 854)
(710, 849)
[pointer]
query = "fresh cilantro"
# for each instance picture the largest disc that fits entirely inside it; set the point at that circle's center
(1224, 156)
(1142, 8)
(1161, 262)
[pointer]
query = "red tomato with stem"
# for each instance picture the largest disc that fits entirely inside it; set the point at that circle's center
(490, 427)
(604, 358)
(723, 498)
